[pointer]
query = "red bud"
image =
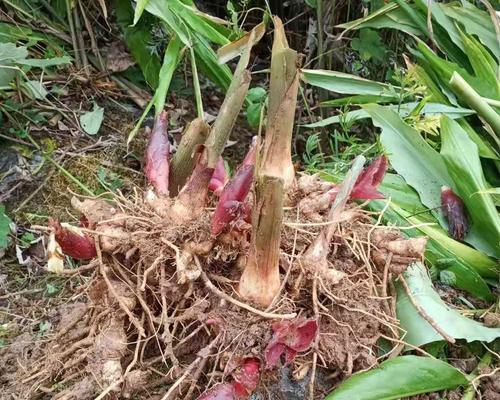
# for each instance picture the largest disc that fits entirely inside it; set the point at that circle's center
(246, 377)
(231, 201)
(73, 242)
(289, 338)
(157, 156)
(455, 212)
(219, 178)
(368, 182)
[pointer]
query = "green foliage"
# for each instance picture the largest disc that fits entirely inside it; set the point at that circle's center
(257, 97)
(402, 376)
(418, 330)
(137, 38)
(109, 180)
(464, 166)
(411, 156)
(13, 57)
(369, 45)
(4, 228)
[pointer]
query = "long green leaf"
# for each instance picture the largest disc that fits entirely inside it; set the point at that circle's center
(418, 330)
(475, 22)
(139, 9)
(170, 62)
(404, 110)
(463, 164)
(400, 377)
(411, 156)
(389, 16)
(340, 82)
(136, 38)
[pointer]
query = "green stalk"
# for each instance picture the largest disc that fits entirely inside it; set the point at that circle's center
(196, 84)
(183, 161)
(235, 96)
(470, 392)
(468, 95)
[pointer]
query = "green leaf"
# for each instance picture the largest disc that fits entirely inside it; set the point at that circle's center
(5, 222)
(10, 53)
(411, 156)
(475, 22)
(139, 9)
(359, 99)
(418, 330)
(37, 89)
(91, 120)
(369, 45)
(256, 94)
(388, 16)
(405, 109)
(253, 114)
(170, 61)
(45, 62)
(402, 376)
(340, 82)
(464, 166)
(137, 37)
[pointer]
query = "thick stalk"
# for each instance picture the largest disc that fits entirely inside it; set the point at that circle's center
(468, 95)
(260, 281)
(184, 160)
(234, 99)
(192, 197)
(277, 156)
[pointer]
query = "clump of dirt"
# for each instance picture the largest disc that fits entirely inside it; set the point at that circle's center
(161, 314)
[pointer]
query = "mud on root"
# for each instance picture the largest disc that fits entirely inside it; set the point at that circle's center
(162, 315)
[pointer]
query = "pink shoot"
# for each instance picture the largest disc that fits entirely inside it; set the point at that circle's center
(219, 178)
(232, 205)
(246, 377)
(157, 156)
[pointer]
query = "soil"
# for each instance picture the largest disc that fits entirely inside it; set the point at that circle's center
(125, 325)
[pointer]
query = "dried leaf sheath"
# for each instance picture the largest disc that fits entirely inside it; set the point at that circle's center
(282, 103)
(184, 159)
(260, 281)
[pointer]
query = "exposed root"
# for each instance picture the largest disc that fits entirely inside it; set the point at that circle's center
(164, 296)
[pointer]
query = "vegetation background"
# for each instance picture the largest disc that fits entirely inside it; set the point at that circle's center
(82, 81)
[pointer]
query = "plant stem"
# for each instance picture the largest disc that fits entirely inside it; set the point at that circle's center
(284, 84)
(183, 160)
(196, 84)
(468, 95)
(260, 281)
(78, 61)
(319, 17)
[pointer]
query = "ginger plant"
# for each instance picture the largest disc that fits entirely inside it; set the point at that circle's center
(260, 281)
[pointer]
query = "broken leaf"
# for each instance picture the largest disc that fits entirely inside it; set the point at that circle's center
(91, 120)
(37, 89)
(418, 330)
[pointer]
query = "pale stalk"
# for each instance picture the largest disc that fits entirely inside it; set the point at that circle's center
(184, 159)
